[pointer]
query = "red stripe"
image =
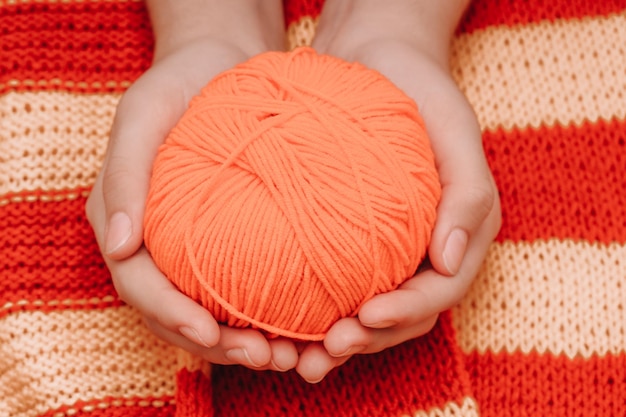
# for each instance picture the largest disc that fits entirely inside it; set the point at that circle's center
(421, 374)
(80, 42)
(544, 385)
(297, 9)
(49, 253)
(561, 182)
(194, 396)
(107, 41)
(483, 13)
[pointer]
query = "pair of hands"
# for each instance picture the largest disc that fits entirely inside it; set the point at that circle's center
(468, 214)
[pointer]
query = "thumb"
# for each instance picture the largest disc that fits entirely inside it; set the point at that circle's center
(461, 212)
(141, 123)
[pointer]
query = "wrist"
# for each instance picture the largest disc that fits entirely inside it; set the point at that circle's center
(178, 23)
(426, 25)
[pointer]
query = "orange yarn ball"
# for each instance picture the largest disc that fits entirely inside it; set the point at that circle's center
(296, 187)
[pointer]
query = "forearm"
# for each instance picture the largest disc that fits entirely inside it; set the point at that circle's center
(256, 25)
(427, 24)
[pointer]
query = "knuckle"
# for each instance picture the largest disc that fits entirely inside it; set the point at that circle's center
(480, 201)
(117, 176)
(116, 172)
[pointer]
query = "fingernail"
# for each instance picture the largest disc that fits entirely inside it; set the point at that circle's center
(118, 232)
(241, 356)
(193, 335)
(316, 381)
(351, 351)
(278, 368)
(381, 324)
(454, 250)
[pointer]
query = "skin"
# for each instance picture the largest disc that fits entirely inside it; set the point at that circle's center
(406, 40)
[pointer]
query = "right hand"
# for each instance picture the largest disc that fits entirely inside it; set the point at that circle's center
(408, 42)
(194, 42)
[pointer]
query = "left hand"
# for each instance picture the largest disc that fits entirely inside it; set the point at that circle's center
(408, 42)
(195, 40)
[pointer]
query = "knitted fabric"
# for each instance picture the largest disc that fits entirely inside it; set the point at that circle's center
(542, 330)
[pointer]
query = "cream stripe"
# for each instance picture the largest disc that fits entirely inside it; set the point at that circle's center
(64, 303)
(52, 140)
(562, 297)
(48, 360)
(59, 84)
(103, 404)
(46, 198)
(301, 33)
(564, 72)
(467, 408)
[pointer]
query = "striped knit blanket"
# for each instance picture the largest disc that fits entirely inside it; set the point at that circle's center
(541, 332)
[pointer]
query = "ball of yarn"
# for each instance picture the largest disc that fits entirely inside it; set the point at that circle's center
(295, 187)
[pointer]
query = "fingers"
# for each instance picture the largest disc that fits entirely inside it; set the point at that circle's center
(158, 299)
(244, 347)
(179, 320)
(462, 211)
(429, 292)
(315, 363)
(404, 306)
(416, 301)
(392, 318)
(150, 291)
(284, 355)
(349, 337)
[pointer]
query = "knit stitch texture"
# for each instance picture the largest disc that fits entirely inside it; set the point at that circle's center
(542, 330)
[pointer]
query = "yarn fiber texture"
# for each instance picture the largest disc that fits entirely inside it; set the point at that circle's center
(295, 187)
